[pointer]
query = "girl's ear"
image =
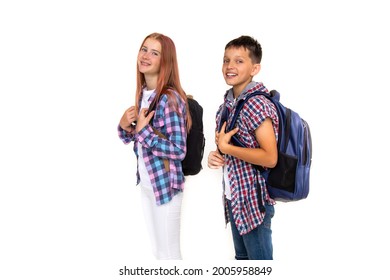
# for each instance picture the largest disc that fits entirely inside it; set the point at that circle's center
(256, 69)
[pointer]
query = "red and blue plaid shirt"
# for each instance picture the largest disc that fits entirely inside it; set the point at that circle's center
(248, 187)
(155, 149)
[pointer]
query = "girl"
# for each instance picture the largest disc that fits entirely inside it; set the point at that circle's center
(159, 141)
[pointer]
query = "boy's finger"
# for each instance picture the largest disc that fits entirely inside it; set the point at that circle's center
(223, 127)
(233, 131)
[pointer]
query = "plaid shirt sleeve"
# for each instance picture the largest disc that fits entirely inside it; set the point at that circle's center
(124, 135)
(169, 123)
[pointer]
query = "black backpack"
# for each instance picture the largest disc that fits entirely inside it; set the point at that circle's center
(192, 163)
(289, 179)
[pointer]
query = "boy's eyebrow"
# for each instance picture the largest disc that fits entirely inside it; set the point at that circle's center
(235, 57)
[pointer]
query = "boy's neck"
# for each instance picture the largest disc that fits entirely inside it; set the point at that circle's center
(237, 90)
(236, 93)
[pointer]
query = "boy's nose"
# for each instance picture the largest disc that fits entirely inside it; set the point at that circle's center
(229, 65)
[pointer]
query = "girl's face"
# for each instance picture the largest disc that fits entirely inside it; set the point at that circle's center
(238, 68)
(149, 57)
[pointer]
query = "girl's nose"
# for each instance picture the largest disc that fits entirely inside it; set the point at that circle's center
(146, 55)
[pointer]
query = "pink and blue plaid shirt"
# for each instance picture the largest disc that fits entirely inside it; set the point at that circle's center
(248, 188)
(155, 149)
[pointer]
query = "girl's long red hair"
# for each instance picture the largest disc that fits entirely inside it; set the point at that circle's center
(168, 78)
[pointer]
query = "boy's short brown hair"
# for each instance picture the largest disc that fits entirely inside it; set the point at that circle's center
(249, 43)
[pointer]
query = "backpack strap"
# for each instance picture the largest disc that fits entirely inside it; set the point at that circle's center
(152, 107)
(166, 162)
(240, 104)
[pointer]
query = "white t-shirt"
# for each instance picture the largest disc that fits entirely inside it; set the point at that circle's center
(228, 193)
(143, 172)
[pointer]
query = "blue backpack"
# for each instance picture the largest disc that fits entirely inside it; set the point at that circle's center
(289, 179)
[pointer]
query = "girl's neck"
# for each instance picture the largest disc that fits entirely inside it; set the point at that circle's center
(151, 82)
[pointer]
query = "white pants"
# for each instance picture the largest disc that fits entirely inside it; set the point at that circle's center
(163, 224)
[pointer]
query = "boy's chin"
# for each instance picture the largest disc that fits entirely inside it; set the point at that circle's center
(230, 83)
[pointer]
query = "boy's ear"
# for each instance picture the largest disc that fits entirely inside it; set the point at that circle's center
(256, 69)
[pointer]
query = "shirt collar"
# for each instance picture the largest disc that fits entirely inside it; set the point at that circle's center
(251, 87)
(150, 94)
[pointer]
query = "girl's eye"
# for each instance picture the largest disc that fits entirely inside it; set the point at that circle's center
(144, 49)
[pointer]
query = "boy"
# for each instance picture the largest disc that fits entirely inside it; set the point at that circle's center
(247, 204)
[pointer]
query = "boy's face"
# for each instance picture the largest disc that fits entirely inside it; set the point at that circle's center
(238, 68)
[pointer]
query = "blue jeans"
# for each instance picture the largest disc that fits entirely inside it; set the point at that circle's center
(256, 244)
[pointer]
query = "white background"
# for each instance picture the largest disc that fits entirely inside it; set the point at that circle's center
(69, 207)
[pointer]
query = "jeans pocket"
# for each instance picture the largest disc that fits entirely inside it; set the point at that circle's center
(269, 214)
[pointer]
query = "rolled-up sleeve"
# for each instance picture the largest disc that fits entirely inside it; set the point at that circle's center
(125, 136)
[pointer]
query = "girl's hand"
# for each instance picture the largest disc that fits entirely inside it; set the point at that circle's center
(143, 119)
(128, 117)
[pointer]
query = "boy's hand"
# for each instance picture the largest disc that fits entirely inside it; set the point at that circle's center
(143, 119)
(215, 160)
(223, 139)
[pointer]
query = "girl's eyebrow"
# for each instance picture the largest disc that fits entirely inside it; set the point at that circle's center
(152, 49)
